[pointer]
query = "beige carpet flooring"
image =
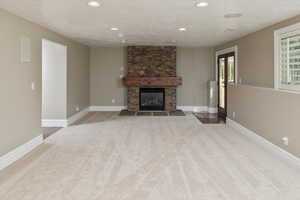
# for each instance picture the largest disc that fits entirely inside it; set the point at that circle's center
(106, 157)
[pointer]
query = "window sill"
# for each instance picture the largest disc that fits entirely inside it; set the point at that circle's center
(288, 90)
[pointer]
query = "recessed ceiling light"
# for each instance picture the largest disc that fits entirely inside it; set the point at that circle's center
(233, 15)
(114, 29)
(201, 4)
(94, 4)
(182, 29)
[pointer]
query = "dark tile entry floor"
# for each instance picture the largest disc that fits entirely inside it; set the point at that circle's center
(163, 113)
(49, 131)
(207, 118)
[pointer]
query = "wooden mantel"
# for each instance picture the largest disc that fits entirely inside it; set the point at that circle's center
(152, 81)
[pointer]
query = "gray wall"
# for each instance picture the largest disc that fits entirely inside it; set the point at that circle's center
(193, 64)
(105, 81)
(20, 117)
(270, 113)
(78, 76)
(256, 55)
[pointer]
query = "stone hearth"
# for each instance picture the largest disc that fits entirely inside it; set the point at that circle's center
(153, 67)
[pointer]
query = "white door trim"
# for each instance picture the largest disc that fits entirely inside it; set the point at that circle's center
(224, 51)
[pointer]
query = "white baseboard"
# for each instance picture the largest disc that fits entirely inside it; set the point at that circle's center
(212, 110)
(77, 116)
(106, 108)
(198, 109)
(54, 123)
(193, 108)
(184, 108)
(20, 151)
(262, 141)
(65, 122)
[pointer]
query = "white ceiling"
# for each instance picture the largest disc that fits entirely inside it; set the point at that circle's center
(153, 22)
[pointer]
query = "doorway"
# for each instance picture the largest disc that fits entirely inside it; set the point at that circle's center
(226, 75)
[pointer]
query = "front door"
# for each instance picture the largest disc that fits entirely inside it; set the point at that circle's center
(226, 74)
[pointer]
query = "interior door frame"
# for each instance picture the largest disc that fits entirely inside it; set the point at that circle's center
(222, 112)
(223, 52)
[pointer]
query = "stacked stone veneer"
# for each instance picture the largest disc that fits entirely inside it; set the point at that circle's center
(151, 61)
(148, 61)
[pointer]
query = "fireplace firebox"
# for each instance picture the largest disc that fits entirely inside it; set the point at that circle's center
(152, 99)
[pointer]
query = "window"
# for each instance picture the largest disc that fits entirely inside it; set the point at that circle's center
(287, 58)
(232, 64)
(231, 70)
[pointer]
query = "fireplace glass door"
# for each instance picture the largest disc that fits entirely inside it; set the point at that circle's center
(152, 99)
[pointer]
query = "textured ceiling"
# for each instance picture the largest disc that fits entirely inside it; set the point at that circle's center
(153, 22)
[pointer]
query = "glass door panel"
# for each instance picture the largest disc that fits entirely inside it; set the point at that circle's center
(231, 69)
(226, 74)
(222, 83)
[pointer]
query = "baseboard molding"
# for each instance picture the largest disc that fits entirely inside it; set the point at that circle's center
(197, 109)
(54, 123)
(262, 141)
(106, 108)
(184, 108)
(20, 151)
(65, 122)
(192, 108)
(212, 110)
(77, 116)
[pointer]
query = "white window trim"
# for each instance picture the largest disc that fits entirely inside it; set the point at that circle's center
(225, 51)
(278, 35)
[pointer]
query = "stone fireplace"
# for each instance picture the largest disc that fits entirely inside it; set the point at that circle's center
(152, 78)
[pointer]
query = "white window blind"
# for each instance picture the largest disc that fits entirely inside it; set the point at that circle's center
(288, 59)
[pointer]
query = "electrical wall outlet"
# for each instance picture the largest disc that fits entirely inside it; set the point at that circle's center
(33, 85)
(113, 101)
(240, 80)
(285, 141)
